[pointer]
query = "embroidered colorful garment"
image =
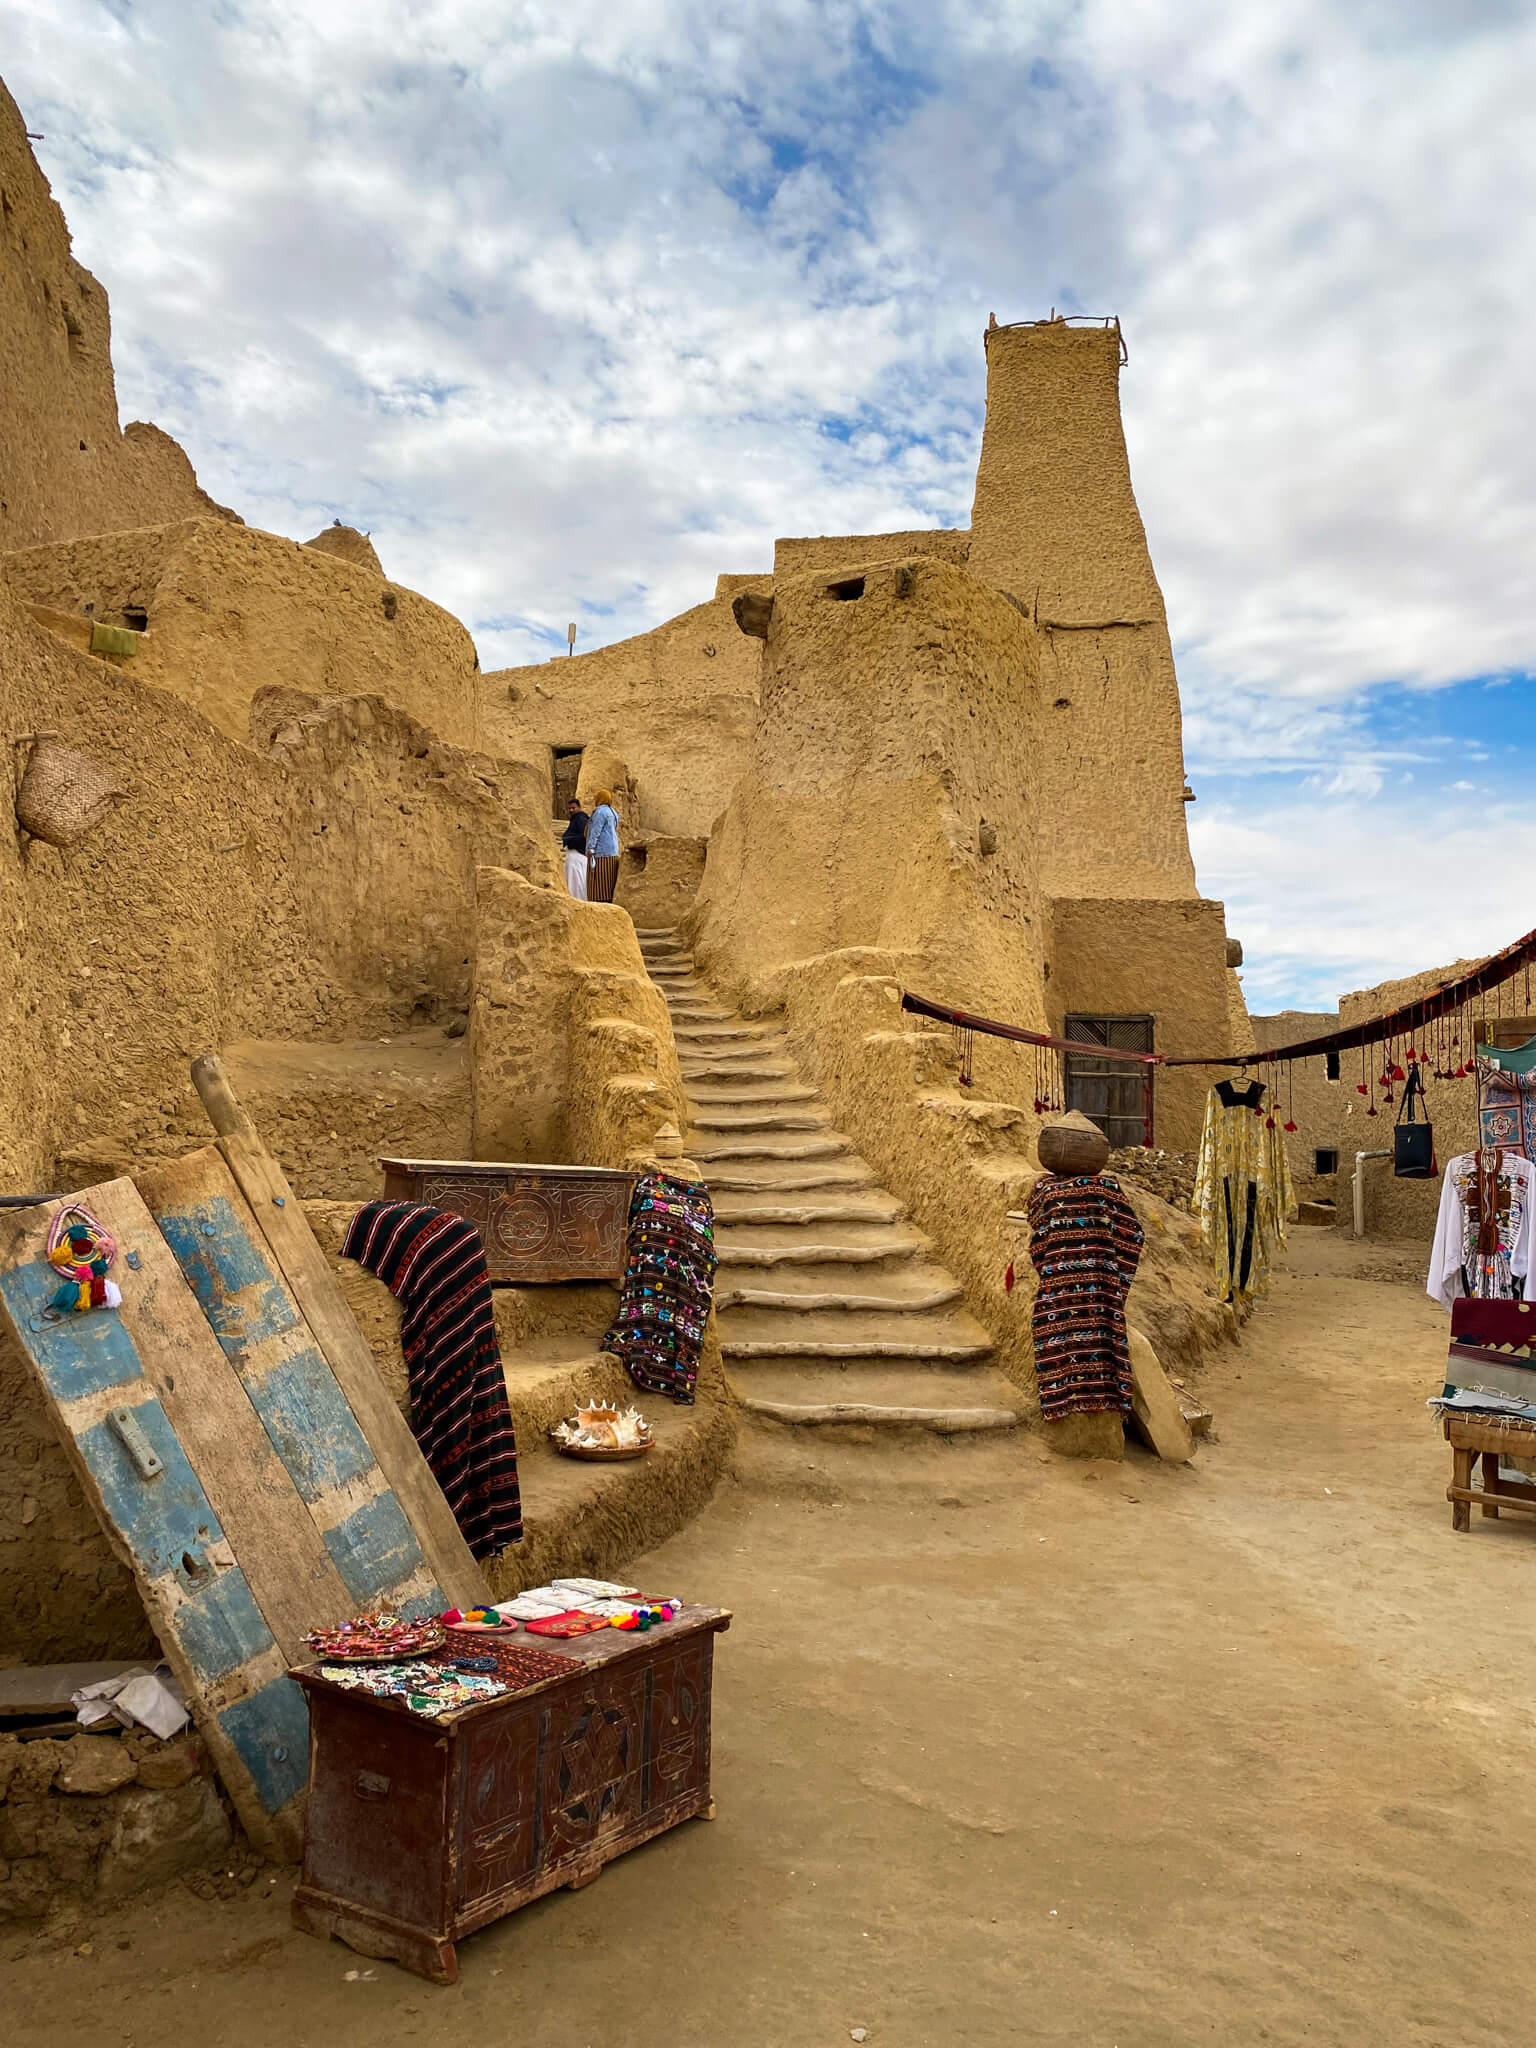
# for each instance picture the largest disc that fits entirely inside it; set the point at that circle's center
(1243, 1193)
(669, 1279)
(434, 1265)
(1506, 1100)
(1485, 1234)
(1085, 1242)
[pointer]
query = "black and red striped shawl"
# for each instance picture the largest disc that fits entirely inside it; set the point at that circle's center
(434, 1265)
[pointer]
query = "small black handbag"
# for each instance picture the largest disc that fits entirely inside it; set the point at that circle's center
(1413, 1143)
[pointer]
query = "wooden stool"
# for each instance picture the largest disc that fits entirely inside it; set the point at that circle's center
(1473, 1436)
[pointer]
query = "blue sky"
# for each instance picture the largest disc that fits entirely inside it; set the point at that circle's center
(576, 305)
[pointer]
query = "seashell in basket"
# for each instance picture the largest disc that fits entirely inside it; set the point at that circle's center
(603, 1428)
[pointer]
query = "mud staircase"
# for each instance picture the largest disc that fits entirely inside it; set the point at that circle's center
(830, 1307)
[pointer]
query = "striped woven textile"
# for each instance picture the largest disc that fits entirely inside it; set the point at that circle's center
(1085, 1243)
(602, 877)
(434, 1265)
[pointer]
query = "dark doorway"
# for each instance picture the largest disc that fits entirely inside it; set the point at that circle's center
(566, 769)
(1115, 1094)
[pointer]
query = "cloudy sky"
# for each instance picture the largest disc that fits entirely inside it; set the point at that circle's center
(574, 305)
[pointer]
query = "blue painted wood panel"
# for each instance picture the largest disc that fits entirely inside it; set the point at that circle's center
(75, 1354)
(294, 1392)
(202, 1605)
(269, 1732)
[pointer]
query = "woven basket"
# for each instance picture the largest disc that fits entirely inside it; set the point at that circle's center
(63, 794)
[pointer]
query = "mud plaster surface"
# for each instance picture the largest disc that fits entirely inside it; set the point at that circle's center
(1208, 1754)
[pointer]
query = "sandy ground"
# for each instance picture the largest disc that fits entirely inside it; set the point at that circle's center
(1011, 1750)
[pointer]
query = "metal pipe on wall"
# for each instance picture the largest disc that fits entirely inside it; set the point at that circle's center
(1360, 1159)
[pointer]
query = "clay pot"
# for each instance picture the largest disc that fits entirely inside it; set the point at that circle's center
(1072, 1145)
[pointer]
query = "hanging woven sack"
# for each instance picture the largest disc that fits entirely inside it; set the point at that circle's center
(63, 794)
(1413, 1143)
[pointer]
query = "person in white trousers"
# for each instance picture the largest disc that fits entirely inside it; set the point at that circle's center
(575, 844)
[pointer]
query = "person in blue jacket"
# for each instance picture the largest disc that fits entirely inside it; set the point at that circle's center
(602, 849)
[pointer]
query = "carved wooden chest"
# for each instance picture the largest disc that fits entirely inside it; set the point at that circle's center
(419, 1831)
(536, 1222)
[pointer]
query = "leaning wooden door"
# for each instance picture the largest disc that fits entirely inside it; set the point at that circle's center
(227, 1468)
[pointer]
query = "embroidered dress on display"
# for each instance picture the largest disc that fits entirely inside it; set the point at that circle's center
(1506, 1098)
(1485, 1234)
(1242, 1188)
(1085, 1243)
(669, 1276)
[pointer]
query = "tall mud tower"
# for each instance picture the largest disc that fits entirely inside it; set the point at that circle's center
(1055, 524)
(66, 468)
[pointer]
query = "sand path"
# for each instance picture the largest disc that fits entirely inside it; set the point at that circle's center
(1010, 1749)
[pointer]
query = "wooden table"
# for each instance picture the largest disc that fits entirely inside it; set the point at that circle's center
(1472, 1436)
(419, 1831)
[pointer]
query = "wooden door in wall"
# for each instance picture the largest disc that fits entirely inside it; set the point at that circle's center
(1115, 1094)
(565, 771)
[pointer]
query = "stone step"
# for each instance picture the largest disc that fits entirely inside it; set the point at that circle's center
(735, 1067)
(710, 1116)
(788, 1178)
(772, 1246)
(879, 1397)
(946, 1337)
(901, 1287)
(746, 1060)
(768, 1146)
(550, 1377)
(707, 1037)
(809, 1290)
(743, 1094)
(794, 1208)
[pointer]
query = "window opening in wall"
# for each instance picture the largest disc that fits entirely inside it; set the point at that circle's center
(135, 621)
(1325, 1160)
(853, 587)
(1331, 1065)
(565, 773)
(75, 334)
(1114, 1094)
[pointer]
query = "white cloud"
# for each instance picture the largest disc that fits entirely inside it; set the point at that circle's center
(574, 305)
(1340, 895)
(556, 298)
